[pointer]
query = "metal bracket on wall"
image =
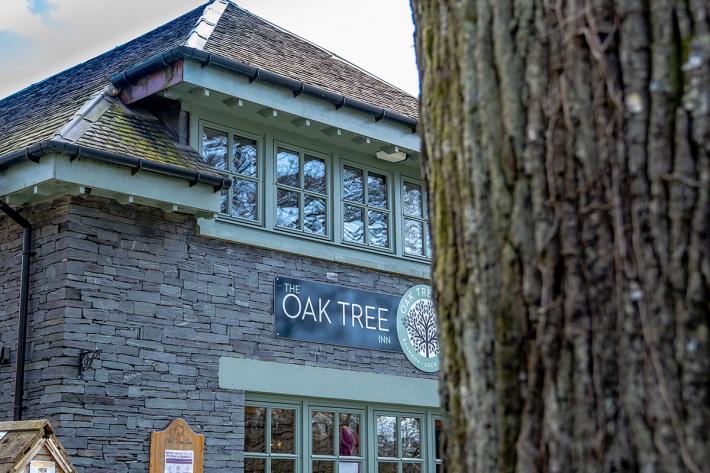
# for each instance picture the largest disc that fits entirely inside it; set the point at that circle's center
(4, 355)
(86, 357)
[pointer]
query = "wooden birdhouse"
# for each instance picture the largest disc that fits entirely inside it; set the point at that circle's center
(30, 446)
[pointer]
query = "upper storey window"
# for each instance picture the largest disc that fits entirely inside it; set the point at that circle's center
(302, 197)
(238, 157)
(415, 220)
(366, 207)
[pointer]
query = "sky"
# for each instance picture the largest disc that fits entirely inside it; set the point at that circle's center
(39, 38)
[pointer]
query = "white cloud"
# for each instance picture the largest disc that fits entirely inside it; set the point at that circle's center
(374, 34)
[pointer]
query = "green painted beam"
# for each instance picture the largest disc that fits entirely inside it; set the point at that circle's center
(257, 376)
(325, 250)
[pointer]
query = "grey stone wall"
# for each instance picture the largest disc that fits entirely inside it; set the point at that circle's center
(45, 331)
(162, 305)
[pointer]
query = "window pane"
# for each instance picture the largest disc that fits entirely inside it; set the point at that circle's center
(254, 465)
(348, 467)
(283, 431)
(383, 467)
(427, 237)
(413, 244)
(287, 209)
(224, 201)
(439, 468)
(323, 433)
(244, 199)
(377, 190)
(412, 204)
(411, 438)
(438, 437)
(378, 228)
(411, 468)
(283, 466)
(244, 156)
(353, 185)
(214, 148)
(350, 435)
(314, 175)
(254, 420)
(314, 219)
(287, 168)
(323, 467)
(354, 224)
(386, 436)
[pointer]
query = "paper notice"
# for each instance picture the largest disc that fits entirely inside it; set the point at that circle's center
(37, 466)
(179, 461)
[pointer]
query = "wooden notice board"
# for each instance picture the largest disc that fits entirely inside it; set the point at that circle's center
(177, 449)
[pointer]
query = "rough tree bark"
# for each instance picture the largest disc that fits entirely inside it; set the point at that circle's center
(567, 162)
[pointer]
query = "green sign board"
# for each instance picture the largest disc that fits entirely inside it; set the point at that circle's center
(417, 328)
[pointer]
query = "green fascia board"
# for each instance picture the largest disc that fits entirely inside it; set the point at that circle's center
(324, 250)
(303, 106)
(110, 180)
(267, 377)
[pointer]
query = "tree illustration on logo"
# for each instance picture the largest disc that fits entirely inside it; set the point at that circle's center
(421, 328)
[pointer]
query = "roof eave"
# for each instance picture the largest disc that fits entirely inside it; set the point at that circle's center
(136, 72)
(35, 151)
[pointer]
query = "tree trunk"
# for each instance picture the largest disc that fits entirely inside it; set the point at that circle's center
(566, 154)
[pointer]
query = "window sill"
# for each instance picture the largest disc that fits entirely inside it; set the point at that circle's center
(324, 250)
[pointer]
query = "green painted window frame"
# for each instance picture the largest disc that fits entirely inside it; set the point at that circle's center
(400, 460)
(268, 456)
(424, 220)
(336, 457)
(302, 153)
(368, 439)
(260, 170)
(390, 211)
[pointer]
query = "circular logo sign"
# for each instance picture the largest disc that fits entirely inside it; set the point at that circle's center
(417, 328)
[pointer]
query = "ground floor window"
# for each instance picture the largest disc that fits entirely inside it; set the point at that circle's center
(315, 436)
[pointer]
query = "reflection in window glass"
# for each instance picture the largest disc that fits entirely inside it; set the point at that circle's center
(323, 433)
(438, 438)
(314, 215)
(386, 467)
(314, 175)
(287, 168)
(303, 205)
(412, 201)
(353, 185)
(224, 201)
(283, 466)
(283, 431)
(244, 199)
(255, 432)
(411, 437)
(378, 228)
(349, 434)
(417, 241)
(412, 468)
(354, 224)
(287, 209)
(214, 148)
(323, 467)
(244, 156)
(413, 237)
(386, 436)
(376, 190)
(366, 216)
(254, 465)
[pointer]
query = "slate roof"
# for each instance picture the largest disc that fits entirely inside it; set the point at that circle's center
(42, 110)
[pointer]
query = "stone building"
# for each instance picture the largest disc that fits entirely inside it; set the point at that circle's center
(224, 223)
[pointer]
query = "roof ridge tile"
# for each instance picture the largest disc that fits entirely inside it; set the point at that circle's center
(205, 25)
(86, 116)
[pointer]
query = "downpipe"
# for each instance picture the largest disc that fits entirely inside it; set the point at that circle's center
(24, 297)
